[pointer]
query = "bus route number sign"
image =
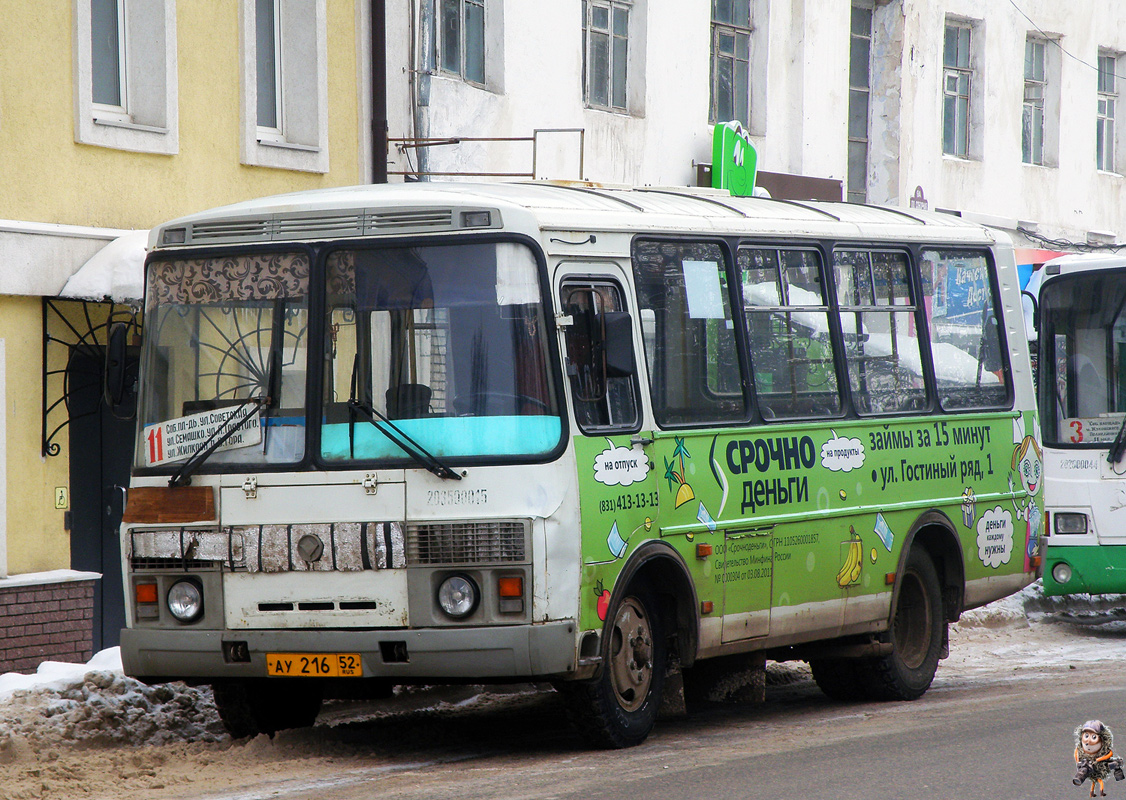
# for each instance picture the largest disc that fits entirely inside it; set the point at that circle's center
(314, 665)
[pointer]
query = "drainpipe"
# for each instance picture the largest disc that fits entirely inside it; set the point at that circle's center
(424, 63)
(379, 91)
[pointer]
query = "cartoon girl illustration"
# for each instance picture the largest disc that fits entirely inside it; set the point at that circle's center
(1028, 464)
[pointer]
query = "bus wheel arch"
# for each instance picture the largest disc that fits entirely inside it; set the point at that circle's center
(645, 630)
(934, 533)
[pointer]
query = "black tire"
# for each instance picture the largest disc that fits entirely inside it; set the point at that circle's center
(248, 708)
(916, 633)
(619, 707)
(841, 679)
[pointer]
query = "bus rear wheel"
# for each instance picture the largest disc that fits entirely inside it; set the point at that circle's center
(619, 707)
(248, 708)
(917, 631)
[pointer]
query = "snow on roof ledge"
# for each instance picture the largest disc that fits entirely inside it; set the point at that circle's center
(115, 272)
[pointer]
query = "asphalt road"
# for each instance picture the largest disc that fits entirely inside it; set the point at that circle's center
(1006, 735)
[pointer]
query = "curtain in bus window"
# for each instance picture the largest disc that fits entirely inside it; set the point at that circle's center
(885, 368)
(685, 309)
(788, 333)
(965, 331)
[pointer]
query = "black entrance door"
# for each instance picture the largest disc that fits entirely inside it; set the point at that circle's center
(101, 449)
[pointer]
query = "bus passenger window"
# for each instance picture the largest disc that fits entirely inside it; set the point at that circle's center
(602, 388)
(885, 367)
(788, 333)
(685, 308)
(970, 363)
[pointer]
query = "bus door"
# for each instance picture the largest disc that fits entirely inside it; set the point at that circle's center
(619, 498)
(747, 575)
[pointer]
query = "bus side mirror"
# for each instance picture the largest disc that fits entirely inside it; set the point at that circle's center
(1035, 308)
(114, 375)
(618, 341)
(991, 359)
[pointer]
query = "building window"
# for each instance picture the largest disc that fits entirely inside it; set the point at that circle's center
(125, 75)
(107, 51)
(284, 85)
(1108, 97)
(461, 39)
(1035, 85)
(956, 79)
(731, 61)
(859, 90)
(605, 54)
(267, 19)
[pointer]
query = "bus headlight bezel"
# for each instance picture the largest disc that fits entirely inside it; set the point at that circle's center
(1070, 523)
(458, 596)
(184, 600)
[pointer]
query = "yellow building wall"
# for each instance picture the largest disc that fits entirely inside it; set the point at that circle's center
(37, 539)
(47, 177)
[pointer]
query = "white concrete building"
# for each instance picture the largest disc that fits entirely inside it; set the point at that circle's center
(1004, 109)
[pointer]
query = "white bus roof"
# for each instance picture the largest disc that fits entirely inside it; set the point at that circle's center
(436, 207)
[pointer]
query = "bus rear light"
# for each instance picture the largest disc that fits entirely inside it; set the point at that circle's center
(1070, 523)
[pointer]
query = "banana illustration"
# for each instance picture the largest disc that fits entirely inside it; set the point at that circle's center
(854, 560)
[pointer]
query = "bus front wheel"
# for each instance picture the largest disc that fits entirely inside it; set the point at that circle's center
(916, 632)
(619, 707)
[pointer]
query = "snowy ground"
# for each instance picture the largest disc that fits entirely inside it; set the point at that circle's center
(130, 735)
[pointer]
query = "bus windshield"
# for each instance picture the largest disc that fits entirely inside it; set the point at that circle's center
(446, 344)
(1083, 358)
(222, 331)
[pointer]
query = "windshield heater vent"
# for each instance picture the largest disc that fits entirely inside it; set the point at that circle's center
(466, 543)
(383, 221)
(327, 226)
(249, 230)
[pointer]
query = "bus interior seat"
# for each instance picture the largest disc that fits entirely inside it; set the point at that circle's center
(408, 401)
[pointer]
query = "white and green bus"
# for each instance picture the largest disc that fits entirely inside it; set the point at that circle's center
(602, 437)
(1082, 382)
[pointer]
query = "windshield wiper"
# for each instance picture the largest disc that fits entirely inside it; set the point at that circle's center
(209, 445)
(1118, 446)
(406, 443)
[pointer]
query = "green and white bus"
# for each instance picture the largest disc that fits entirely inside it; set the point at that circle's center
(1082, 383)
(602, 437)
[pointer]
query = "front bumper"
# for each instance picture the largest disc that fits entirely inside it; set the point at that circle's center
(516, 652)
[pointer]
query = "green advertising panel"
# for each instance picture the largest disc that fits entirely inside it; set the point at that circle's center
(790, 515)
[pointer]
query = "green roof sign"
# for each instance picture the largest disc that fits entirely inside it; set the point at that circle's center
(734, 160)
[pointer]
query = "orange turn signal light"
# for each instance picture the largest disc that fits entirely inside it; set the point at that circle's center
(510, 587)
(704, 550)
(706, 607)
(146, 592)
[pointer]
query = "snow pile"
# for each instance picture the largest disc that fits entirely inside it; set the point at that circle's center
(94, 704)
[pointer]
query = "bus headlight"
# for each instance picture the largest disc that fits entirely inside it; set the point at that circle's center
(1061, 573)
(458, 596)
(1069, 523)
(185, 601)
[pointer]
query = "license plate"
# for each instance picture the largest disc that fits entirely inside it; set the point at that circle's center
(314, 665)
